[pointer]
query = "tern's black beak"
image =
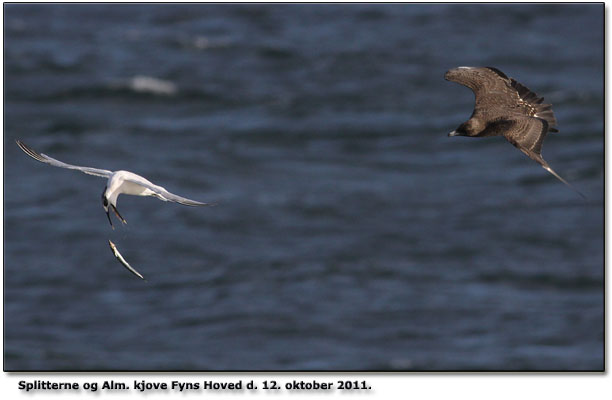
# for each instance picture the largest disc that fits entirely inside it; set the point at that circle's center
(118, 215)
(109, 219)
(105, 205)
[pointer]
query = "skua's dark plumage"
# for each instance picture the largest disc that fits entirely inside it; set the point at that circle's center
(504, 107)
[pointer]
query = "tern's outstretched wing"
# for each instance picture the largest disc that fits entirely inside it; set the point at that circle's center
(122, 260)
(162, 194)
(56, 163)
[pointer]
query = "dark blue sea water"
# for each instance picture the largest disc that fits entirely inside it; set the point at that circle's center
(350, 231)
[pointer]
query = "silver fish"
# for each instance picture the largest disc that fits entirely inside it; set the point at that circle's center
(122, 260)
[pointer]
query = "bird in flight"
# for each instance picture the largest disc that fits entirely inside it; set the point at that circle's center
(119, 182)
(504, 107)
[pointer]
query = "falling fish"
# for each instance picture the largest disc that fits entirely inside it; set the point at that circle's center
(122, 260)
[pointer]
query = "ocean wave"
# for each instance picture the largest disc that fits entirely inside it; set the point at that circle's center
(149, 84)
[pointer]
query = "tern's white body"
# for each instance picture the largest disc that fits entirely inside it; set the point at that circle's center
(119, 182)
(123, 182)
